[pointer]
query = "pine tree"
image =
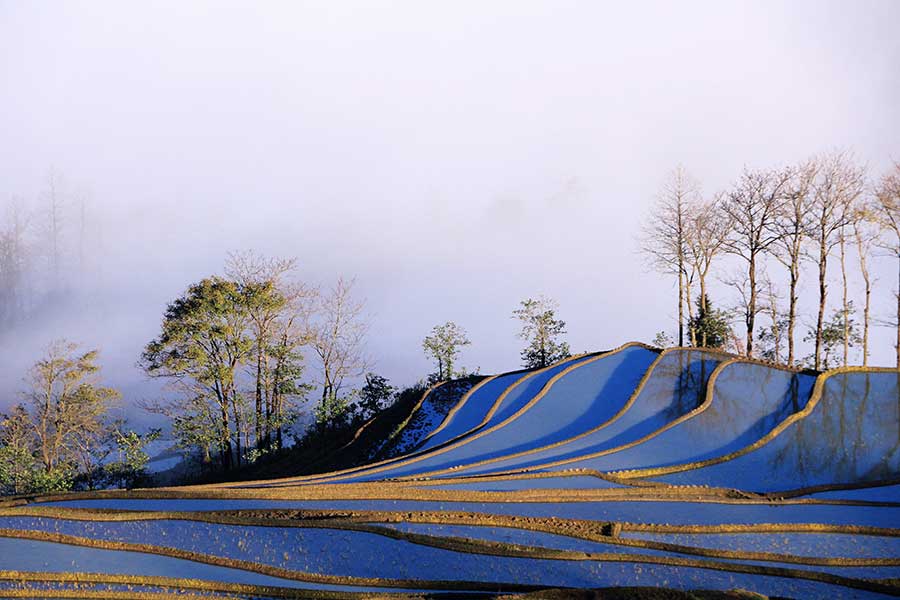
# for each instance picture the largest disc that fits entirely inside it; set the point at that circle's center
(710, 324)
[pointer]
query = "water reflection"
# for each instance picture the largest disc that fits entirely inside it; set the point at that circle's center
(851, 436)
(748, 401)
(676, 386)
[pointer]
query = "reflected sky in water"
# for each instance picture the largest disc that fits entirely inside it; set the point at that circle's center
(851, 436)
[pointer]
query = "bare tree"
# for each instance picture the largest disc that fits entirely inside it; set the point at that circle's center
(338, 338)
(706, 231)
(663, 239)
(753, 206)
(772, 338)
(839, 183)
(792, 224)
(54, 211)
(886, 212)
(13, 263)
(739, 283)
(865, 234)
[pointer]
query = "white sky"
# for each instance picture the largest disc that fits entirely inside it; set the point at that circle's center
(455, 157)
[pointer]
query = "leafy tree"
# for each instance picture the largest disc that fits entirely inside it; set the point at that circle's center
(332, 411)
(541, 330)
(710, 324)
(130, 469)
(374, 394)
(833, 334)
(60, 434)
(286, 370)
(18, 463)
(770, 339)
(443, 345)
(662, 340)
(68, 406)
(278, 313)
(202, 344)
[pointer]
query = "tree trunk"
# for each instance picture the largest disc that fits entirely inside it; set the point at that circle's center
(277, 401)
(690, 306)
(846, 306)
(703, 306)
(823, 291)
(259, 398)
(864, 270)
(751, 308)
(792, 309)
(226, 436)
(238, 426)
(681, 305)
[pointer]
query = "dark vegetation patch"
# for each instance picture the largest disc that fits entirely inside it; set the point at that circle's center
(345, 447)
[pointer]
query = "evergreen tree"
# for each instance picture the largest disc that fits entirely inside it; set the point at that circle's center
(710, 324)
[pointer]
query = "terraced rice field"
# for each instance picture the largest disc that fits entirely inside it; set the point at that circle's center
(681, 468)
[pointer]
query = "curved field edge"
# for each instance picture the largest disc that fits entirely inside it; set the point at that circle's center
(175, 583)
(78, 582)
(472, 434)
(369, 522)
(814, 398)
(459, 545)
(398, 460)
(614, 476)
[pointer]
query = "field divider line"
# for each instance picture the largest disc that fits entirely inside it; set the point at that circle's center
(462, 439)
(352, 471)
(317, 476)
(617, 476)
(612, 419)
(466, 545)
(579, 528)
(814, 398)
(244, 589)
(528, 405)
(402, 426)
(250, 566)
(615, 449)
(599, 535)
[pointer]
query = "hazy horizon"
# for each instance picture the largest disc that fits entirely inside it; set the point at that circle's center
(454, 158)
